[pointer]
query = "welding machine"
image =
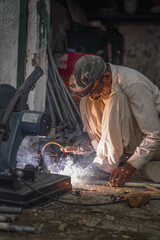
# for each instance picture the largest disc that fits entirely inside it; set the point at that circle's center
(24, 187)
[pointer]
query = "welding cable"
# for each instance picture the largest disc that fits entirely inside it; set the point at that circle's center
(56, 200)
(51, 198)
(49, 143)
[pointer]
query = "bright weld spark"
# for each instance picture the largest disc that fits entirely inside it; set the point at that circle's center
(69, 170)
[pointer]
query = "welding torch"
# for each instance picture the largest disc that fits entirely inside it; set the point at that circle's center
(67, 149)
(75, 150)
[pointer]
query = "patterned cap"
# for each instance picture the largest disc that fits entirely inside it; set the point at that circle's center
(87, 70)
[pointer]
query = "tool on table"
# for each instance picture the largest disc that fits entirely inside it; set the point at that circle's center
(16, 122)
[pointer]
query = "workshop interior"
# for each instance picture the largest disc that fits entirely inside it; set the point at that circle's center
(40, 119)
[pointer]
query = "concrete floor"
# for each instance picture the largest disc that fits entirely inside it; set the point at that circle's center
(110, 220)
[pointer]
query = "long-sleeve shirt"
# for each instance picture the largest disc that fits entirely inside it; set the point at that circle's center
(144, 101)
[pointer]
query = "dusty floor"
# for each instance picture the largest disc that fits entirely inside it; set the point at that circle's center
(108, 221)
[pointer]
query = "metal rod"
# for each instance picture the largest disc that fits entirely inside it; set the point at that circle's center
(66, 101)
(61, 81)
(67, 92)
(64, 94)
(69, 95)
(18, 228)
(54, 105)
(51, 110)
(62, 103)
(55, 102)
(11, 210)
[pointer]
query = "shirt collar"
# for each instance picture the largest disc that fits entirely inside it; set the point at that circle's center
(115, 76)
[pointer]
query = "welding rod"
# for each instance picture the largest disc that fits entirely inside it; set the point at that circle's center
(15, 210)
(18, 228)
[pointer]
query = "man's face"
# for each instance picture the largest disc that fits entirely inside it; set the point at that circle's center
(97, 90)
(102, 88)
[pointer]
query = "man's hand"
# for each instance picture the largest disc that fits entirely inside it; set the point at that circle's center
(83, 144)
(120, 175)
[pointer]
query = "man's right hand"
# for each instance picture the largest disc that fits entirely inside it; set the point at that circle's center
(83, 144)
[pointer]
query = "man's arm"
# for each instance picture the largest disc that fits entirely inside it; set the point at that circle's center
(145, 113)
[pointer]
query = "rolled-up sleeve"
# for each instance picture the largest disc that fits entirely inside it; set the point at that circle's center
(144, 111)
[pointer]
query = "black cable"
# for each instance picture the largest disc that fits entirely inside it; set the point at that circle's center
(60, 201)
(51, 198)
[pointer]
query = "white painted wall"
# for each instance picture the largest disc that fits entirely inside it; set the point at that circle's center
(9, 27)
(36, 57)
(9, 30)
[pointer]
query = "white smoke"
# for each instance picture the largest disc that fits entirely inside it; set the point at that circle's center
(66, 165)
(27, 153)
(71, 170)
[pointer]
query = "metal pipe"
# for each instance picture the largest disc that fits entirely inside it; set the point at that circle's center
(66, 101)
(62, 103)
(8, 218)
(51, 110)
(66, 90)
(128, 184)
(55, 102)
(15, 210)
(61, 81)
(18, 228)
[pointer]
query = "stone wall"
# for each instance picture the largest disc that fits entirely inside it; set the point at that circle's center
(142, 49)
(9, 26)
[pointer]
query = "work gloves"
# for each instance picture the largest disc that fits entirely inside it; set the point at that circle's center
(121, 174)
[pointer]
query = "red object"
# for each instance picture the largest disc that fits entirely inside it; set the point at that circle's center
(65, 62)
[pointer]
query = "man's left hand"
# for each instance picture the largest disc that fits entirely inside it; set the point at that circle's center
(120, 175)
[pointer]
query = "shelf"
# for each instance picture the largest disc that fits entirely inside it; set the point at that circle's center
(120, 18)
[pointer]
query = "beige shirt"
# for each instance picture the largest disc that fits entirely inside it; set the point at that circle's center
(143, 98)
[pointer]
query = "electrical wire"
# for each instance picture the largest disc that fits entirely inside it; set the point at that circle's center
(50, 143)
(56, 200)
(51, 198)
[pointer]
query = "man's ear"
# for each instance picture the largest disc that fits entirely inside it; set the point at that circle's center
(107, 79)
(107, 76)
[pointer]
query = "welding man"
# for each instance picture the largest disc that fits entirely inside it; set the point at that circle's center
(120, 110)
